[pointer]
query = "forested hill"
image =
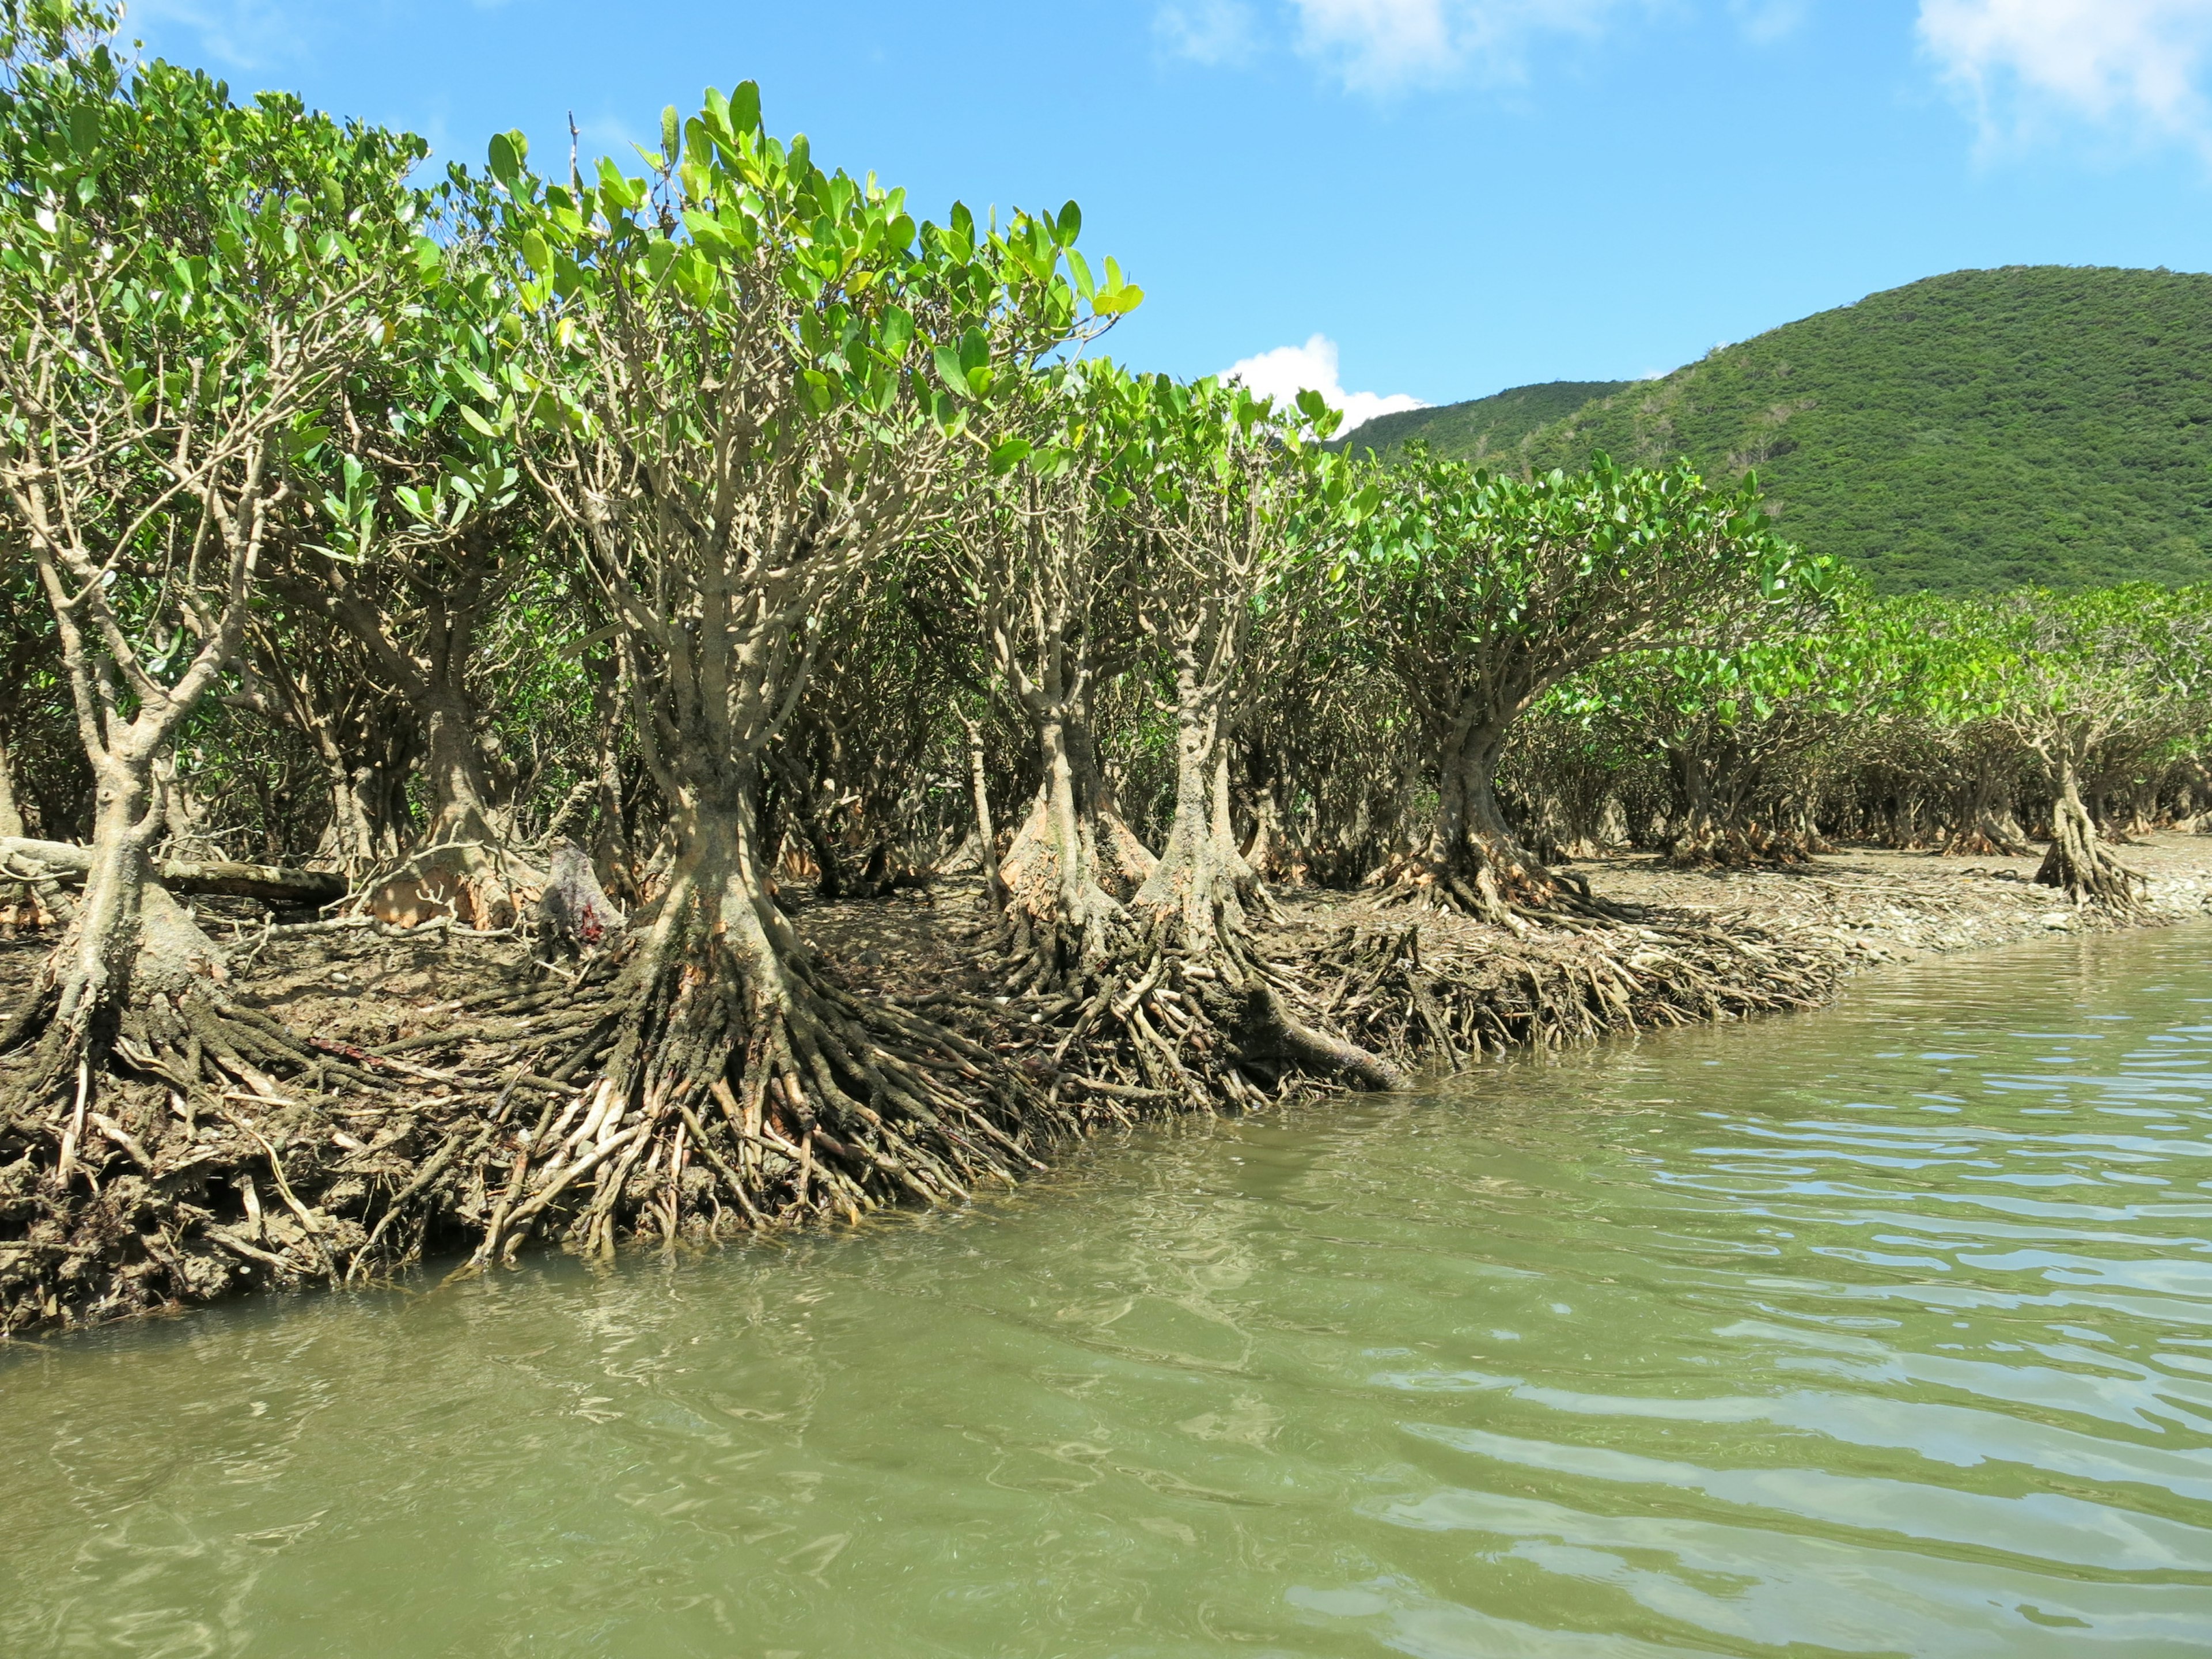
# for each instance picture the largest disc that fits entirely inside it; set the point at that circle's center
(1492, 429)
(2045, 424)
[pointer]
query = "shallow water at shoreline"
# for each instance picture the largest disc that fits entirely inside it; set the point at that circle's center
(1886, 1329)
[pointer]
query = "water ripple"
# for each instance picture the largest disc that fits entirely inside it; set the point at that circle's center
(1886, 1330)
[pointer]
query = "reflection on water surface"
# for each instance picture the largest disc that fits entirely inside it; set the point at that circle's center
(1885, 1330)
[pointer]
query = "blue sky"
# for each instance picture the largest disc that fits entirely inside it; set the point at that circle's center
(1427, 199)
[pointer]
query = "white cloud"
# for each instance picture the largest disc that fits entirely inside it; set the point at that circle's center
(1765, 21)
(2135, 65)
(1286, 371)
(1212, 32)
(236, 34)
(1383, 45)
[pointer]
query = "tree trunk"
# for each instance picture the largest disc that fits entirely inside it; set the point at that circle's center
(463, 862)
(1062, 924)
(1717, 787)
(93, 970)
(1191, 899)
(1611, 830)
(1984, 827)
(731, 1049)
(271, 884)
(614, 859)
(1120, 862)
(800, 806)
(129, 944)
(1200, 1006)
(1270, 852)
(2078, 861)
(1552, 834)
(1472, 861)
(11, 819)
(20, 905)
(986, 837)
(455, 777)
(1799, 837)
(1251, 888)
(350, 841)
(1695, 835)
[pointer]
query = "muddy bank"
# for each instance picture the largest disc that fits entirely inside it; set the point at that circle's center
(457, 1110)
(1697, 944)
(1878, 905)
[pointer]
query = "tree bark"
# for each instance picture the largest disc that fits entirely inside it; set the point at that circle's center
(1243, 874)
(271, 884)
(614, 858)
(459, 784)
(1062, 924)
(2078, 861)
(1984, 827)
(986, 836)
(128, 942)
(1472, 861)
(1191, 899)
(11, 818)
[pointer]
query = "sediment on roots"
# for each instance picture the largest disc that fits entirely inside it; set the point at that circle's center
(1492, 880)
(162, 1139)
(2080, 865)
(1166, 1004)
(1740, 847)
(1446, 991)
(1984, 839)
(743, 1086)
(164, 1150)
(476, 880)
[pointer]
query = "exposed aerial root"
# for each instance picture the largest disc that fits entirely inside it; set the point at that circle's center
(1445, 992)
(1983, 842)
(1156, 1032)
(1506, 890)
(815, 1104)
(1743, 847)
(2080, 864)
(1166, 1006)
(479, 883)
(631, 1100)
(208, 1146)
(1408, 879)
(2092, 877)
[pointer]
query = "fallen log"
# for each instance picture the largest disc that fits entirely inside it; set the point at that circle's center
(271, 884)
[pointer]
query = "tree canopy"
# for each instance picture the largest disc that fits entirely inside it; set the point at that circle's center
(2041, 425)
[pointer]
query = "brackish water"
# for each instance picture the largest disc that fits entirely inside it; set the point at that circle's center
(1882, 1330)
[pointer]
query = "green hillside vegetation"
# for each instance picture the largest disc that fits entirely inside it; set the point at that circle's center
(2037, 424)
(1494, 430)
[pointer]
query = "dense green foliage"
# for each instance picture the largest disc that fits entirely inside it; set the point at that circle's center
(611, 559)
(744, 390)
(2049, 425)
(1493, 431)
